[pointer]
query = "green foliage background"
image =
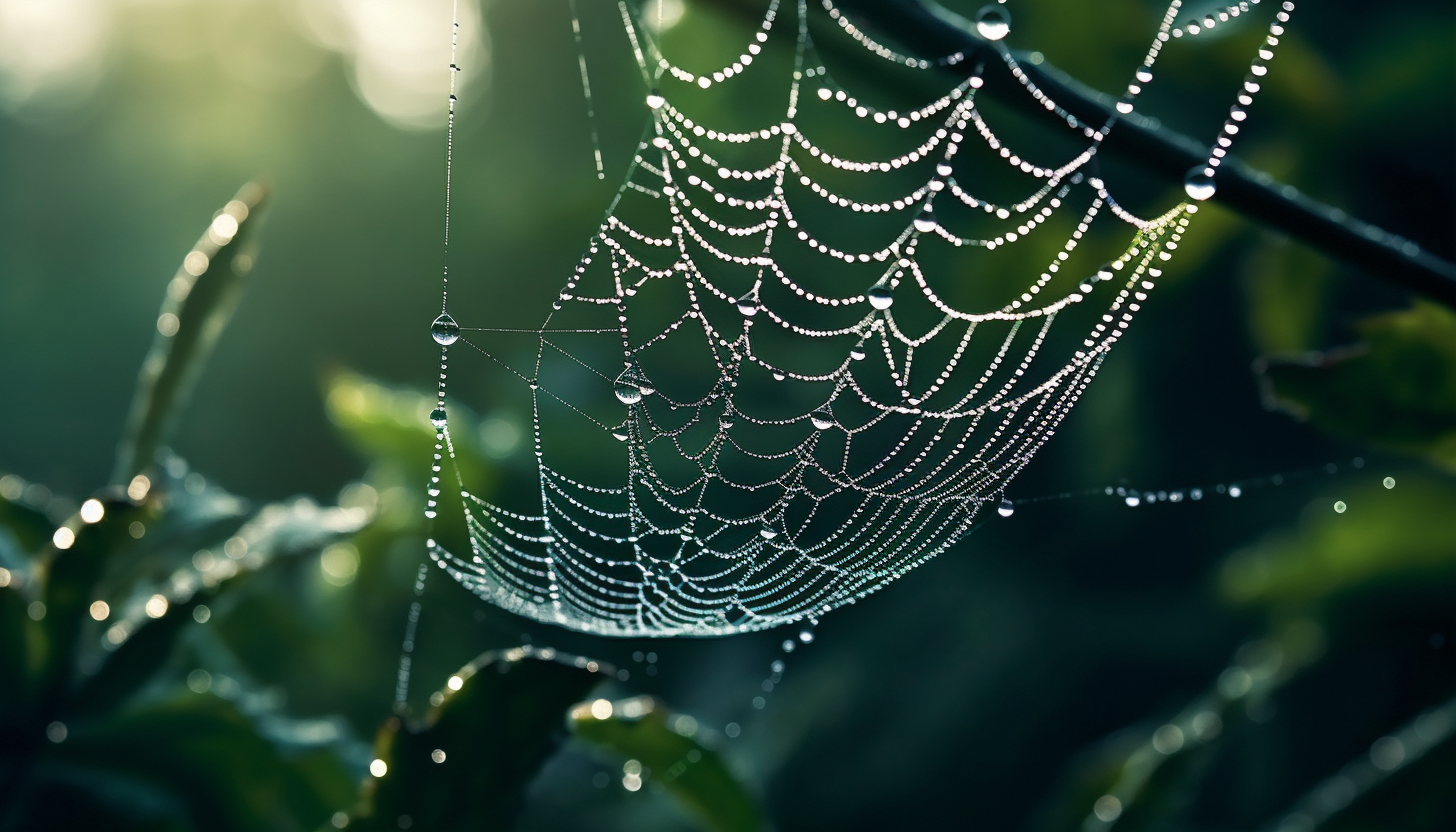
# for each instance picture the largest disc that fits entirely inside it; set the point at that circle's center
(1008, 684)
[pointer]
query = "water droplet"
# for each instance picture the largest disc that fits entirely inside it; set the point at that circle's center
(880, 296)
(925, 221)
(777, 376)
(1198, 184)
(768, 532)
(1104, 272)
(806, 636)
(1389, 482)
(1132, 499)
(437, 417)
(857, 352)
(1144, 75)
(993, 21)
(1235, 491)
(655, 100)
(444, 330)
(620, 433)
(727, 420)
(822, 419)
(1340, 506)
(943, 169)
(628, 387)
(1005, 509)
(788, 645)
(748, 305)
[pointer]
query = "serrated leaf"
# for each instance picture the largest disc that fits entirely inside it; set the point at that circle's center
(665, 745)
(1395, 390)
(200, 300)
(495, 728)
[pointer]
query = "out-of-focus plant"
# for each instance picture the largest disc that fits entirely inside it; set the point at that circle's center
(99, 728)
(102, 725)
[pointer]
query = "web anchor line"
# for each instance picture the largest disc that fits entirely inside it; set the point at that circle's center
(743, 417)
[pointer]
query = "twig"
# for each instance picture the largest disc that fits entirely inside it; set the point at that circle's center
(928, 30)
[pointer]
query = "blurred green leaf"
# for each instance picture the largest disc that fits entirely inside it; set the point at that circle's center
(213, 763)
(72, 574)
(642, 729)
(134, 663)
(467, 765)
(14, 656)
(25, 523)
(200, 300)
(1383, 536)
(1395, 390)
(392, 425)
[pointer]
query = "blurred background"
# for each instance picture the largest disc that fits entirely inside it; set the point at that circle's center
(1007, 683)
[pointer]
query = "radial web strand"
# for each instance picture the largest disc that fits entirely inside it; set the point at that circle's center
(787, 370)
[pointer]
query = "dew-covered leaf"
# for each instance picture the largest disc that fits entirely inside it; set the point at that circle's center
(467, 765)
(78, 558)
(665, 749)
(1395, 390)
(200, 300)
(1384, 536)
(147, 641)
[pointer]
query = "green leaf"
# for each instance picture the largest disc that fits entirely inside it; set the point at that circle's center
(392, 425)
(15, 669)
(499, 720)
(641, 729)
(26, 524)
(279, 530)
(200, 300)
(1384, 536)
(208, 757)
(72, 574)
(1395, 390)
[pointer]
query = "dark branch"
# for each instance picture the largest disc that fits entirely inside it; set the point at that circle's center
(929, 31)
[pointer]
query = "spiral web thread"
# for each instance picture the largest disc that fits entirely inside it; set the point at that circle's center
(808, 420)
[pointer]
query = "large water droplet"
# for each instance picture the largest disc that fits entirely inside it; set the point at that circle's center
(628, 387)
(1198, 184)
(620, 433)
(768, 532)
(1005, 509)
(655, 100)
(858, 352)
(444, 330)
(727, 420)
(880, 296)
(437, 417)
(1144, 75)
(822, 419)
(748, 305)
(993, 21)
(925, 221)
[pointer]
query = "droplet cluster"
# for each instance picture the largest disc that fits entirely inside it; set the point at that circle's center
(728, 516)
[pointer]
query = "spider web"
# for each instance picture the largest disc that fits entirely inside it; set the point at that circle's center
(784, 374)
